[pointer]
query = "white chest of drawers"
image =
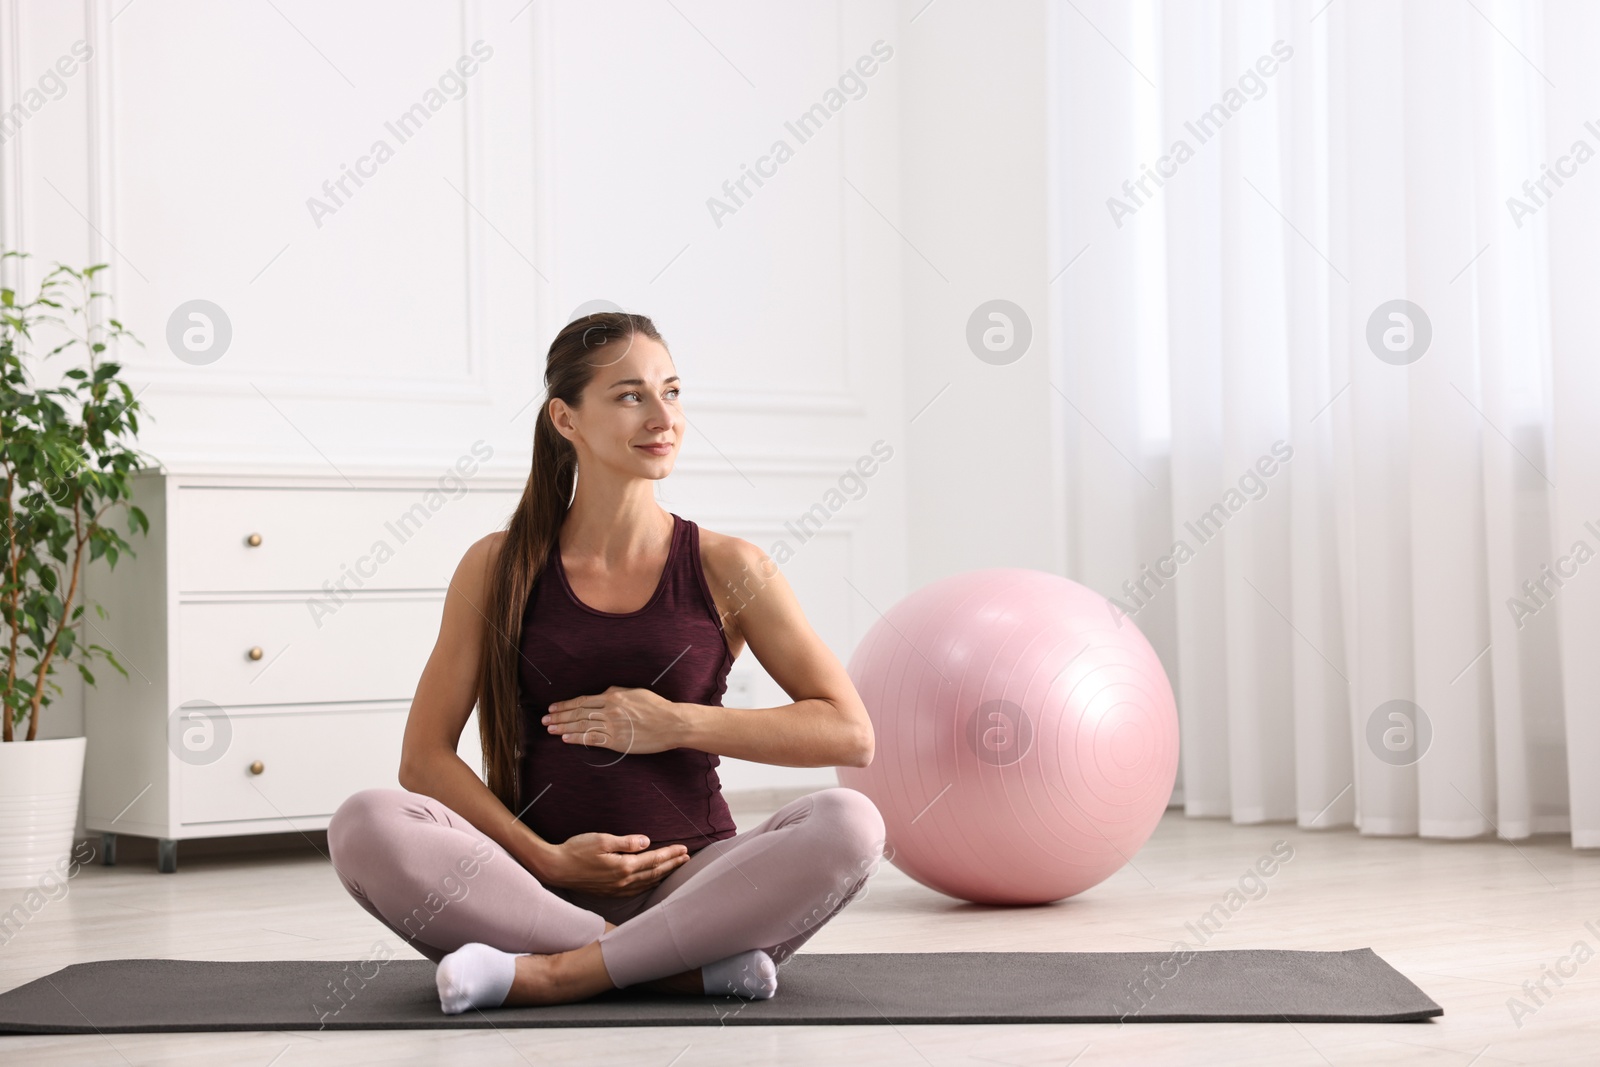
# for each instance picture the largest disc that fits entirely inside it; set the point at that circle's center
(273, 628)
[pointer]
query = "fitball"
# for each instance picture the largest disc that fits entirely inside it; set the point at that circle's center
(1026, 736)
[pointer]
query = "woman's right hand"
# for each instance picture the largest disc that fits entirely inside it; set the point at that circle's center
(610, 866)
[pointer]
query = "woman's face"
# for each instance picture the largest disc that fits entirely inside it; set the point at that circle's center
(631, 403)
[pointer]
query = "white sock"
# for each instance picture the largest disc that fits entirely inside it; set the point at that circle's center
(751, 974)
(474, 976)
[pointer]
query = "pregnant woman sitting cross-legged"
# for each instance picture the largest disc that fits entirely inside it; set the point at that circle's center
(595, 638)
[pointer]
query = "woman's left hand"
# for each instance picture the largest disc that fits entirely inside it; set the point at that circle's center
(621, 719)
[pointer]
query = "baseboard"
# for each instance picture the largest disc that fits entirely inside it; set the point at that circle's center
(135, 850)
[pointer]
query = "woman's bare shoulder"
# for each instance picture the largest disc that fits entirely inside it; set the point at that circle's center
(478, 562)
(728, 556)
(735, 570)
(490, 543)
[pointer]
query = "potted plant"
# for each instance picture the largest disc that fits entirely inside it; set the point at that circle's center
(63, 466)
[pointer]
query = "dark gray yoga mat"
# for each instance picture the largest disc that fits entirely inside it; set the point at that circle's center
(814, 988)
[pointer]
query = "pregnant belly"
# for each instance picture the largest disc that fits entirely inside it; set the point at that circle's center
(670, 797)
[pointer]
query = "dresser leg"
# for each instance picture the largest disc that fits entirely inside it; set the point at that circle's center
(108, 849)
(166, 855)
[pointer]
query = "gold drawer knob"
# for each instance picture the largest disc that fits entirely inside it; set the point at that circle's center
(255, 653)
(254, 540)
(257, 767)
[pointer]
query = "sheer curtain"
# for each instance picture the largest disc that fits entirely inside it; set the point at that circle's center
(1328, 367)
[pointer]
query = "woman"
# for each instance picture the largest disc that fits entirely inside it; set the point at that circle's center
(595, 638)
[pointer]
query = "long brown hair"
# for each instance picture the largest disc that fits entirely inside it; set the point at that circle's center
(531, 533)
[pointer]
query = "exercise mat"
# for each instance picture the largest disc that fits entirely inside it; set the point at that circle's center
(814, 988)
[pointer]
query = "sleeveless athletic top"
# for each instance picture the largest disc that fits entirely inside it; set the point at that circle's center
(673, 646)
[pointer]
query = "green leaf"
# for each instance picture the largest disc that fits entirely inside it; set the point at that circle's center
(66, 449)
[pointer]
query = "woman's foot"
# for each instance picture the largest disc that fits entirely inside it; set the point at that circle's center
(559, 978)
(474, 976)
(751, 975)
(481, 976)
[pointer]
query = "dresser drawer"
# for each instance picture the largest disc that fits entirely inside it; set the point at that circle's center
(310, 762)
(366, 649)
(328, 539)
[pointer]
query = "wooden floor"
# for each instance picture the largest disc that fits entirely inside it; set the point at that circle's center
(1469, 922)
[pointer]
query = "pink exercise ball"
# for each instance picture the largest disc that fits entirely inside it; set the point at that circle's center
(1027, 737)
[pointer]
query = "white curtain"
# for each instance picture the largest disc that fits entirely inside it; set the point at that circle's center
(1372, 568)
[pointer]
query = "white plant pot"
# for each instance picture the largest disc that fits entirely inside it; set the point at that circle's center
(39, 786)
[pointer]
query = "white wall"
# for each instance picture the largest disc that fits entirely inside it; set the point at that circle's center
(820, 316)
(985, 438)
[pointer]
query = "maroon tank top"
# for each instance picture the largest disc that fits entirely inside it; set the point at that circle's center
(673, 646)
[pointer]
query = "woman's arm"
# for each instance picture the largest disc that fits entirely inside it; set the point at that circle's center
(827, 725)
(445, 696)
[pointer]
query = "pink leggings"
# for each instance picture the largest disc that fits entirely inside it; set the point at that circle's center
(439, 882)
